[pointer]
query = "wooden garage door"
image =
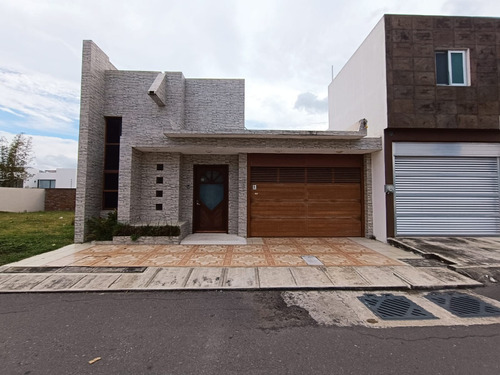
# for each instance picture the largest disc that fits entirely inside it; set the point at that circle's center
(305, 201)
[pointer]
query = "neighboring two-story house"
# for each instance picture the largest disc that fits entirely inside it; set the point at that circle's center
(429, 86)
(164, 149)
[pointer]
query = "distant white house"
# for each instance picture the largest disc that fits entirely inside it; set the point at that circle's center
(60, 178)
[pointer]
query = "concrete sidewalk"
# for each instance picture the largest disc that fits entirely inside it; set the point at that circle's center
(36, 275)
(475, 257)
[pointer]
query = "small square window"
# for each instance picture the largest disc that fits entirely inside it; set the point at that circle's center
(159, 193)
(159, 180)
(159, 167)
(452, 68)
(159, 207)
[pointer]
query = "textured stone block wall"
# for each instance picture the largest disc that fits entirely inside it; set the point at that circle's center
(60, 199)
(91, 137)
(243, 193)
(159, 185)
(368, 195)
(414, 98)
(215, 105)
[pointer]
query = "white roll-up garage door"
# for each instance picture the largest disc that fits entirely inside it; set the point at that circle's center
(446, 195)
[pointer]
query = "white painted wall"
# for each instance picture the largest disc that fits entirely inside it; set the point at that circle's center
(360, 91)
(22, 200)
(64, 177)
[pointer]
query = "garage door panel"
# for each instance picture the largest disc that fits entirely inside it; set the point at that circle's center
(333, 191)
(447, 195)
(279, 209)
(336, 227)
(334, 209)
(279, 227)
(305, 200)
(269, 191)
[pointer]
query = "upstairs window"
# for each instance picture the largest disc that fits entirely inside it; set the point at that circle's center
(46, 184)
(452, 68)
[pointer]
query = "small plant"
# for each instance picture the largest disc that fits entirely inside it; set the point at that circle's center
(147, 230)
(103, 229)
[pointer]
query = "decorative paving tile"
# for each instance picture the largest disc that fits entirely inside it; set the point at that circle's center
(337, 240)
(100, 249)
(174, 249)
(88, 260)
(308, 241)
(278, 252)
(353, 248)
(164, 260)
(135, 249)
(277, 241)
(212, 248)
(249, 260)
(319, 248)
(209, 260)
(121, 260)
(289, 260)
(248, 249)
(283, 249)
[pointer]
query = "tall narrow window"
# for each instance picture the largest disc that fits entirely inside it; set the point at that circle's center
(452, 68)
(111, 162)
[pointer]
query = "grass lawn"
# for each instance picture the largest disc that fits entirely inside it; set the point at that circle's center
(23, 235)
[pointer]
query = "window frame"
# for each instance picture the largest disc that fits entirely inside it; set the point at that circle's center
(465, 66)
(51, 183)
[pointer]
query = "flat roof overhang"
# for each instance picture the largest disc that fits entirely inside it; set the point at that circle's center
(272, 134)
(204, 144)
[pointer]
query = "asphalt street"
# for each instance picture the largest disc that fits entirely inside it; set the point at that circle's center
(221, 333)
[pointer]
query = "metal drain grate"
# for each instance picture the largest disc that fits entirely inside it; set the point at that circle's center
(463, 305)
(391, 307)
(75, 269)
(32, 269)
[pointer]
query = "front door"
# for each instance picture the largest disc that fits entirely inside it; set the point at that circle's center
(210, 203)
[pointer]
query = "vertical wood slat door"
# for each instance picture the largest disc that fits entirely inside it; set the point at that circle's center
(305, 201)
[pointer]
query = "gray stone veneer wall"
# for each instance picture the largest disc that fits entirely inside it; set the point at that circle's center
(91, 138)
(169, 187)
(215, 105)
(242, 198)
(368, 196)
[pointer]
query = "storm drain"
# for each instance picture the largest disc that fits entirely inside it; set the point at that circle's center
(463, 305)
(32, 269)
(391, 307)
(75, 269)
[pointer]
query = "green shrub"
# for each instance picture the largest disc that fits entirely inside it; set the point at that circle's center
(147, 230)
(103, 229)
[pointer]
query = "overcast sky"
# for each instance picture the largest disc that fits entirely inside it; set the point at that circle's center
(286, 50)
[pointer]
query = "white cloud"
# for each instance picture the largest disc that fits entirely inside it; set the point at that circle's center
(282, 48)
(50, 152)
(40, 101)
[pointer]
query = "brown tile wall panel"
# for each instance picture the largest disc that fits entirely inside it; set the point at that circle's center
(414, 99)
(60, 199)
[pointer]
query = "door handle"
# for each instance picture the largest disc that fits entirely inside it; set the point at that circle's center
(198, 203)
